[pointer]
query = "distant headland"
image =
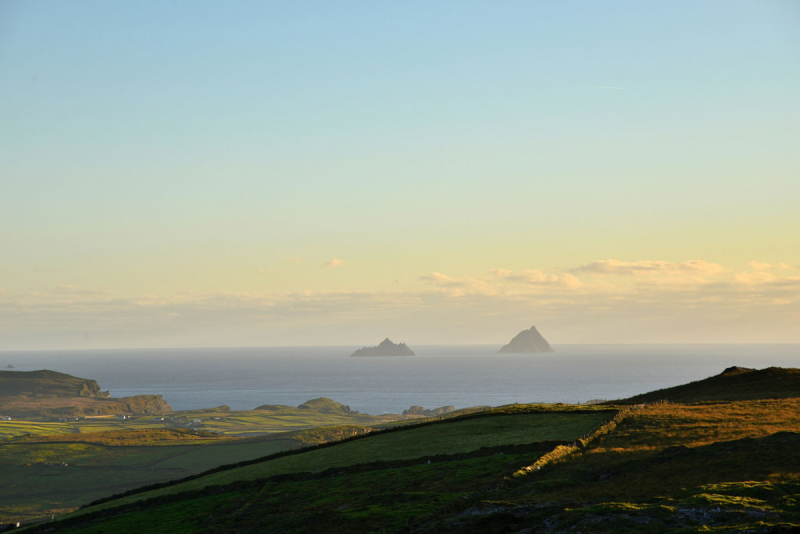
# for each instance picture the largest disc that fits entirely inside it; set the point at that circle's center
(527, 341)
(386, 348)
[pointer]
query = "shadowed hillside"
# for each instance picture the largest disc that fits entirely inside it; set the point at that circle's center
(658, 467)
(47, 384)
(733, 384)
(48, 394)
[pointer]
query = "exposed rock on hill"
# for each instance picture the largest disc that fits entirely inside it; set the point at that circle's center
(325, 405)
(527, 341)
(733, 384)
(419, 410)
(386, 348)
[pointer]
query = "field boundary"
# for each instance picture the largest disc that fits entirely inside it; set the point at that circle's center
(563, 451)
(301, 450)
(292, 477)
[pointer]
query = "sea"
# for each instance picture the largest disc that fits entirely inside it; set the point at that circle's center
(439, 375)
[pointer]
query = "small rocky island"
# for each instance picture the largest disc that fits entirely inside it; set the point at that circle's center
(527, 341)
(386, 348)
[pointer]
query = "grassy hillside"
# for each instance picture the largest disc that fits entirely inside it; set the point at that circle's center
(43, 395)
(735, 383)
(728, 467)
(451, 437)
(723, 466)
(504, 441)
(47, 384)
(36, 484)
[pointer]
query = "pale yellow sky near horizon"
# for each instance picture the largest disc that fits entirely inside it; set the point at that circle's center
(251, 173)
(605, 301)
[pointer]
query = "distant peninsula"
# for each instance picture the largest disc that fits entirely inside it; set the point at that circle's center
(44, 395)
(386, 348)
(527, 341)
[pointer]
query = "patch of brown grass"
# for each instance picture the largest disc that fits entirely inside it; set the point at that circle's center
(663, 448)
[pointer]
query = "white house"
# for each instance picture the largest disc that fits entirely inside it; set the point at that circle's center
(5, 418)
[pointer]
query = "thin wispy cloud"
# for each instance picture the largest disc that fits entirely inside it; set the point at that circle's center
(73, 290)
(650, 267)
(538, 277)
(759, 266)
(335, 263)
(442, 280)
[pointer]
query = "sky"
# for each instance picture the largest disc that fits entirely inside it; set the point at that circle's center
(248, 173)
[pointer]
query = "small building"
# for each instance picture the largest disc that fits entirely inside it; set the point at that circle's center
(122, 417)
(5, 418)
(195, 421)
(158, 418)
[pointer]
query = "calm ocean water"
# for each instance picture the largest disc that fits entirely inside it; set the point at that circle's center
(467, 375)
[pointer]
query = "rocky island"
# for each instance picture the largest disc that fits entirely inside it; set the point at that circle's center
(527, 341)
(386, 348)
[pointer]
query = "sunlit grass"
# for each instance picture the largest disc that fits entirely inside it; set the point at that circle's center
(426, 440)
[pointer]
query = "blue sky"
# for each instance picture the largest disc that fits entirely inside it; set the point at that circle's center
(153, 150)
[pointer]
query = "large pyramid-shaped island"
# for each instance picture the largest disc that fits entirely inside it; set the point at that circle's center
(386, 348)
(527, 341)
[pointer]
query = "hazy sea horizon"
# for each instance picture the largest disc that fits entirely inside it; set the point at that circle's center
(440, 375)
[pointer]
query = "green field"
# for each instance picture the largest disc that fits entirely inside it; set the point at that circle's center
(11, 429)
(280, 419)
(449, 437)
(707, 465)
(665, 468)
(104, 463)
(108, 455)
(389, 498)
(241, 423)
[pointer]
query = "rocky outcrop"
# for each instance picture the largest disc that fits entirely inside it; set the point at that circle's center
(326, 405)
(386, 348)
(146, 404)
(527, 341)
(419, 410)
